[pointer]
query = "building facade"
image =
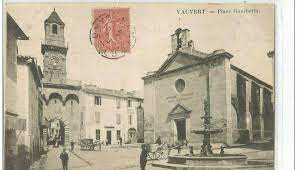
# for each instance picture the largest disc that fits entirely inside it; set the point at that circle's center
(84, 111)
(23, 103)
(174, 96)
(111, 114)
(13, 123)
(30, 106)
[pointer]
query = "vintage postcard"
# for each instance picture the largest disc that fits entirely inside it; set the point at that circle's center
(139, 86)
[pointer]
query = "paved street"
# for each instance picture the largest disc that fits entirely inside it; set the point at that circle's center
(111, 158)
(107, 159)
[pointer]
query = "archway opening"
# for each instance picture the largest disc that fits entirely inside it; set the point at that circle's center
(56, 133)
(132, 134)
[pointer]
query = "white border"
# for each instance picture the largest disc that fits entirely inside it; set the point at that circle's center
(285, 116)
(284, 75)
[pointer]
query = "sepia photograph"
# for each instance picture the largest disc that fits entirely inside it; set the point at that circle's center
(112, 86)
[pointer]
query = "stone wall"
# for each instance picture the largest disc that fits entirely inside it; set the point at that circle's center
(30, 108)
(54, 39)
(252, 100)
(11, 69)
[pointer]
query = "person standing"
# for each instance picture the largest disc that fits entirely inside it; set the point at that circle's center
(143, 157)
(54, 141)
(72, 145)
(64, 158)
(158, 141)
(121, 141)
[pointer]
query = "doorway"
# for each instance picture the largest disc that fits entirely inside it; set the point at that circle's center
(108, 136)
(181, 129)
(56, 134)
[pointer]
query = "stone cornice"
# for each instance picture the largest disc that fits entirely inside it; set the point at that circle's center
(61, 86)
(251, 77)
(46, 47)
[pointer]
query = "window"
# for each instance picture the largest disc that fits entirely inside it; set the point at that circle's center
(118, 134)
(130, 119)
(97, 100)
(55, 29)
(97, 117)
(118, 117)
(129, 103)
(97, 134)
(118, 103)
(180, 85)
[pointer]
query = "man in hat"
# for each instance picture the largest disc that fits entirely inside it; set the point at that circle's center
(64, 158)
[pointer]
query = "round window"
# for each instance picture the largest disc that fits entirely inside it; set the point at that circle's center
(180, 85)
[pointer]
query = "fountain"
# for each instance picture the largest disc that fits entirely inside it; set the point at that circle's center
(206, 157)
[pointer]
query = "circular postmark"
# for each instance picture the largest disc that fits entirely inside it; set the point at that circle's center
(111, 33)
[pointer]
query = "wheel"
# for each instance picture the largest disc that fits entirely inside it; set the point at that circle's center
(164, 154)
(157, 154)
(151, 155)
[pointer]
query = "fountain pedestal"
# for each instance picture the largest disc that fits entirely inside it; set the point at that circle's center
(214, 160)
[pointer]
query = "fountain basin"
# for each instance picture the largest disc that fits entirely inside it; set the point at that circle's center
(213, 160)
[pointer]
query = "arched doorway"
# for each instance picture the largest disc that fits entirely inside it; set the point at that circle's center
(132, 134)
(56, 132)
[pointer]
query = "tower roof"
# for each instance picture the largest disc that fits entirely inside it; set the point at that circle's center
(54, 18)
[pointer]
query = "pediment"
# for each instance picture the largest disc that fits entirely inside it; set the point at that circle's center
(178, 60)
(178, 109)
(178, 112)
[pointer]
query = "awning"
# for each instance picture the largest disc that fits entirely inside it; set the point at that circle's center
(12, 122)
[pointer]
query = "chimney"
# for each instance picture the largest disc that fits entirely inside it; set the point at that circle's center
(180, 39)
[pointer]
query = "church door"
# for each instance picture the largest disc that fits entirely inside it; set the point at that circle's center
(181, 129)
(108, 134)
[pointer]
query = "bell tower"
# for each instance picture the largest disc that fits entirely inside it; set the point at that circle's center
(54, 50)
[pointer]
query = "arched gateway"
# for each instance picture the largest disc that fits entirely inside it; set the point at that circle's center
(56, 132)
(63, 113)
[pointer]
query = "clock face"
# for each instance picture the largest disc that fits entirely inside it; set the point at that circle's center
(55, 61)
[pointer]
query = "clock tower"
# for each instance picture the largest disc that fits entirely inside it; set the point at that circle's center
(54, 50)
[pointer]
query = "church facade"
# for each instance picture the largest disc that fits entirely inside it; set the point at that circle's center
(174, 95)
(70, 107)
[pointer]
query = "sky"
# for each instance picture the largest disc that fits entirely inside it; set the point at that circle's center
(248, 37)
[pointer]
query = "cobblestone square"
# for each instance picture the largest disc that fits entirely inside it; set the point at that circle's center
(116, 158)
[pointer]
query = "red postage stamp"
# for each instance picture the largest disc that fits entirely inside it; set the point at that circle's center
(111, 30)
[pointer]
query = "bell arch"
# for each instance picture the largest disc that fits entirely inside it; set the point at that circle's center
(54, 96)
(71, 97)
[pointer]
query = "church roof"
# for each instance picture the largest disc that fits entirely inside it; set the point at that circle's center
(195, 57)
(54, 18)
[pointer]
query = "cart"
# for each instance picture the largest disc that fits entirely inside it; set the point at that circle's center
(88, 144)
(157, 152)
